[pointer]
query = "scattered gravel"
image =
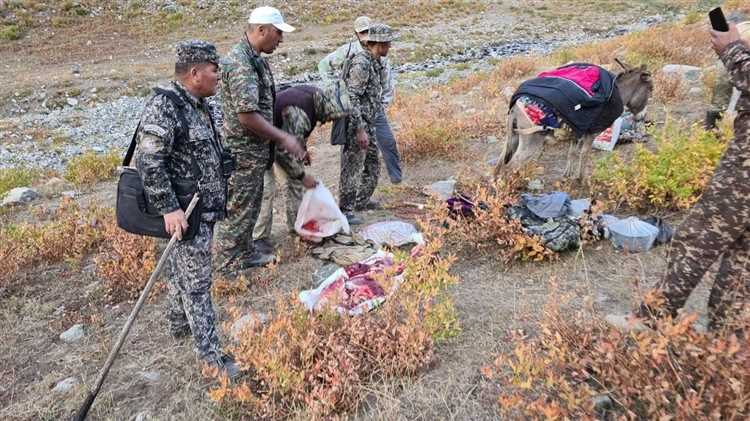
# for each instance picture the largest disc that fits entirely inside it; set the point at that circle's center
(78, 128)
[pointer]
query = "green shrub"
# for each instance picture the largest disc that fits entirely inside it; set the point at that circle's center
(91, 168)
(10, 32)
(11, 178)
(672, 177)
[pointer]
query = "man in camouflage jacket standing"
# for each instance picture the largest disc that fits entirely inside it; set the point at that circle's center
(178, 143)
(331, 66)
(360, 165)
(297, 111)
(718, 226)
(248, 94)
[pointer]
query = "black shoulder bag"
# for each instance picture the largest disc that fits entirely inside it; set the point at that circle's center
(134, 213)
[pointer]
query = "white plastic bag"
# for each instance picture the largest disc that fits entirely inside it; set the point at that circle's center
(607, 140)
(319, 216)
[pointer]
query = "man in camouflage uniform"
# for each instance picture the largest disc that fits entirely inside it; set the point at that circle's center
(360, 165)
(297, 111)
(331, 66)
(718, 226)
(248, 94)
(724, 92)
(169, 153)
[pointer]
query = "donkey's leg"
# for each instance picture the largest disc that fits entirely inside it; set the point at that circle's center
(571, 156)
(511, 142)
(584, 150)
(529, 147)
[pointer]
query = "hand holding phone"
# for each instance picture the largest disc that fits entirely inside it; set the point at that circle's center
(718, 21)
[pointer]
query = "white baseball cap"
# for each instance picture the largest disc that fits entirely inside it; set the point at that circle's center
(267, 14)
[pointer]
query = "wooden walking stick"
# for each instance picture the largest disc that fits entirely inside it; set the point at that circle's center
(84, 410)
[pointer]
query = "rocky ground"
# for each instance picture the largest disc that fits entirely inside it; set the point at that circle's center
(63, 103)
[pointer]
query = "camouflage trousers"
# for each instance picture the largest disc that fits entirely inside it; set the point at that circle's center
(294, 192)
(235, 234)
(189, 296)
(717, 227)
(360, 170)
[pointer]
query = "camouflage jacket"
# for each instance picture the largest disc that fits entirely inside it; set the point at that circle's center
(736, 58)
(332, 64)
(365, 89)
(163, 155)
(244, 90)
(295, 122)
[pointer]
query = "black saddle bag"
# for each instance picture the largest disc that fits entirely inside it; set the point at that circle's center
(134, 214)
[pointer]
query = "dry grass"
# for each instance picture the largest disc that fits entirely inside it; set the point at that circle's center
(672, 372)
(68, 235)
(319, 365)
(91, 168)
(655, 47)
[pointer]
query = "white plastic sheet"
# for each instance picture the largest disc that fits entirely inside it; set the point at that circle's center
(319, 216)
(392, 233)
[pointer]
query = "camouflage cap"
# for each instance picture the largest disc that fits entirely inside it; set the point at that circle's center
(196, 51)
(380, 32)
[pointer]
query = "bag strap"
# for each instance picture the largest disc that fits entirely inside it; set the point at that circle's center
(131, 148)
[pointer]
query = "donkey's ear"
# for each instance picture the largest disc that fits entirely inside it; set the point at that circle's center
(623, 65)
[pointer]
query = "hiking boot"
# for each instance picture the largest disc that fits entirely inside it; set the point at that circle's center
(227, 367)
(353, 219)
(257, 259)
(626, 322)
(370, 205)
(264, 246)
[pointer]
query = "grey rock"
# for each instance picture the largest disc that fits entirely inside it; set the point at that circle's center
(247, 321)
(492, 162)
(98, 149)
(74, 334)
(70, 194)
(443, 190)
(19, 195)
(142, 416)
(687, 73)
(602, 403)
(65, 385)
(151, 376)
(492, 140)
(72, 102)
(508, 92)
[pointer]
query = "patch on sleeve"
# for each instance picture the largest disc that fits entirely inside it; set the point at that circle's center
(154, 130)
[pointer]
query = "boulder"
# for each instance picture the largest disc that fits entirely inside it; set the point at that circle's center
(74, 334)
(442, 189)
(19, 195)
(687, 73)
(65, 385)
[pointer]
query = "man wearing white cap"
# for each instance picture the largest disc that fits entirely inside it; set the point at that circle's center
(330, 67)
(248, 97)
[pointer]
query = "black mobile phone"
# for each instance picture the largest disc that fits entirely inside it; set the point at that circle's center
(718, 21)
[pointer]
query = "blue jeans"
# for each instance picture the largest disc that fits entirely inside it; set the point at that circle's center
(388, 148)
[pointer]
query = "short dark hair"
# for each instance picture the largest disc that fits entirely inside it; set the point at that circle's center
(181, 69)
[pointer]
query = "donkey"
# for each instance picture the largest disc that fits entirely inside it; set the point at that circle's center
(524, 140)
